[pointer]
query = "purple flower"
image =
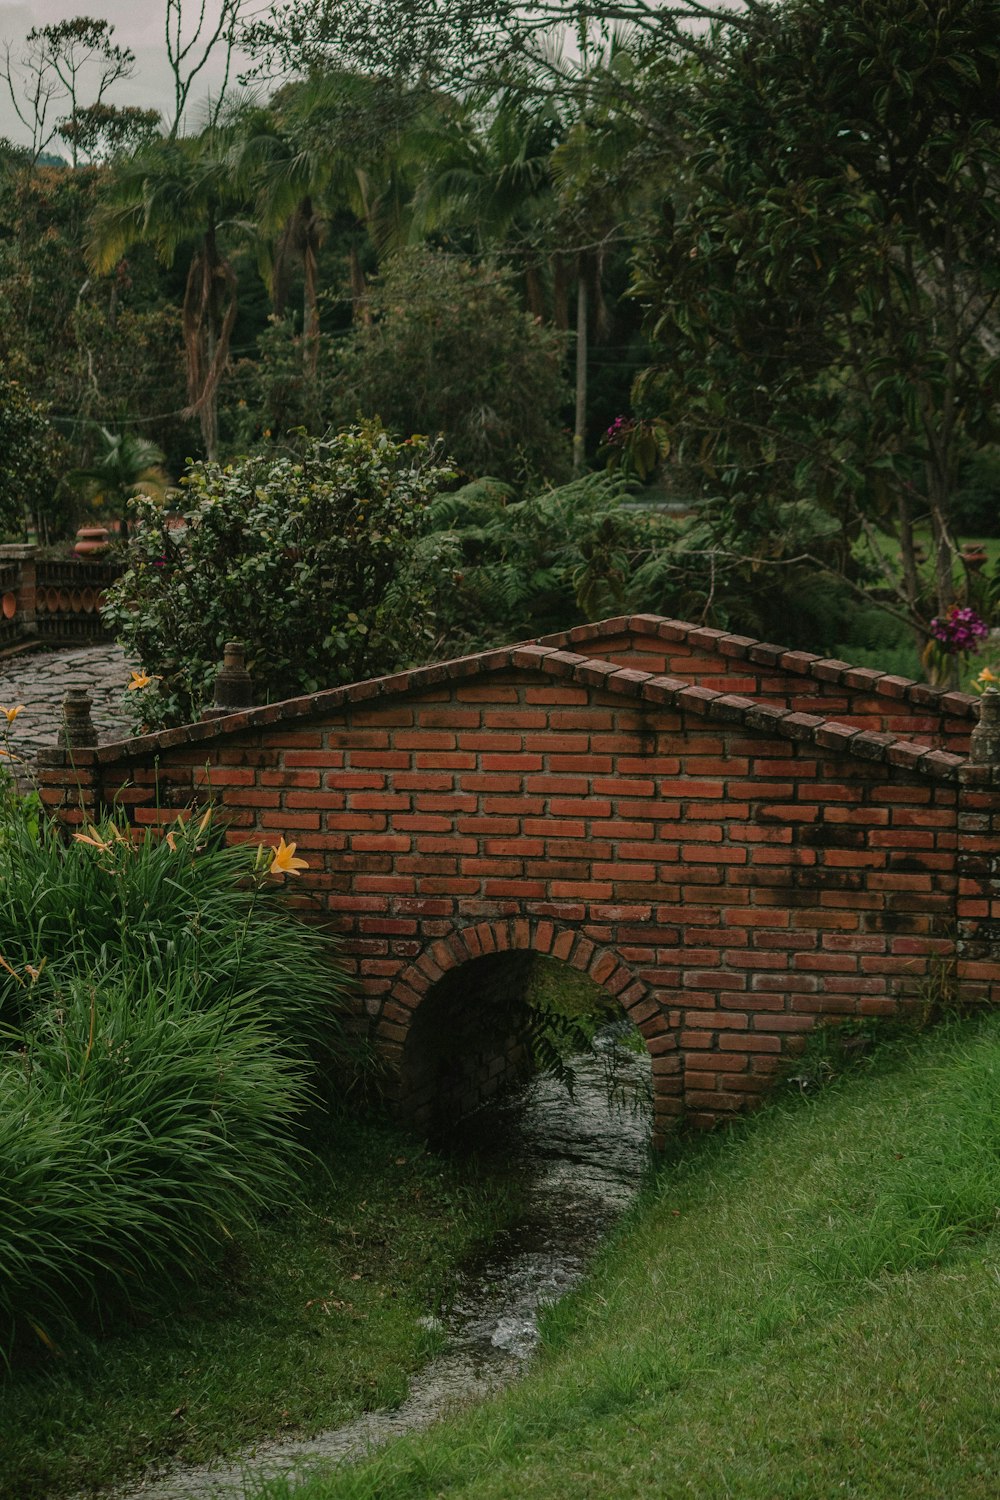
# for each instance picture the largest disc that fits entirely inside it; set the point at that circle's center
(961, 629)
(619, 431)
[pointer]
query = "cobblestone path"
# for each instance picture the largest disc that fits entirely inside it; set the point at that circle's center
(41, 679)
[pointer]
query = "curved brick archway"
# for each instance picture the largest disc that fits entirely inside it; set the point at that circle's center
(599, 962)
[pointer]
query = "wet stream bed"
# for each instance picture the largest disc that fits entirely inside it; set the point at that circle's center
(578, 1164)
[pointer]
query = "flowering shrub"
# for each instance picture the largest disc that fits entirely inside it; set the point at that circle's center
(961, 629)
(637, 447)
(618, 433)
(302, 557)
(155, 1058)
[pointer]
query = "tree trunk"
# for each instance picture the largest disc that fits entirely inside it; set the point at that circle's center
(359, 288)
(908, 551)
(208, 412)
(944, 556)
(535, 292)
(310, 312)
(580, 425)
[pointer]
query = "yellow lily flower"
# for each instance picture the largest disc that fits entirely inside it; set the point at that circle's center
(13, 972)
(283, 861)
(140, 680)
(88, 838)
(10, 714)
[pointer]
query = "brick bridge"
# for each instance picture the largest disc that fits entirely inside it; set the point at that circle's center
(735, 840)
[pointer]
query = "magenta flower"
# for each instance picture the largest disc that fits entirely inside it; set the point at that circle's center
(619, 431)
(961, 629)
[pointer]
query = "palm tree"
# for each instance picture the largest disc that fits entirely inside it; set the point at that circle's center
(319, 149)
(592, 195)
(169, 194)
(128, 466)
(489, 175)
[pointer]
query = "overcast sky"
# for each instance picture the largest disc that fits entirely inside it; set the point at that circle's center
(138, 24)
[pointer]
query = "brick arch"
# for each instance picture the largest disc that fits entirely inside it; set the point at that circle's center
(599, 962)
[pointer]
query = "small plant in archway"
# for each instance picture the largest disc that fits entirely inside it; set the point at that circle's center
(566, 1013)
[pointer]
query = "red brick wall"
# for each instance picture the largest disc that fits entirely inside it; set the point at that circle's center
(732, 871)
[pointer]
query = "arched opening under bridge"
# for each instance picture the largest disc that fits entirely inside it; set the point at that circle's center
(485, 1026)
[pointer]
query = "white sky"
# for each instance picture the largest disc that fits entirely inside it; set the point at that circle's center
(138, 24)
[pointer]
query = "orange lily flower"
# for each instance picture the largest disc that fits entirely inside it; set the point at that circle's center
(283, 861)
(89, 838)
(140, 680)
(10, 714)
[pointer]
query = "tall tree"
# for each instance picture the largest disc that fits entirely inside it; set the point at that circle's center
(171, 195)
(324, 146)
(463, 44)
(192, 33)
(63, 69)
(824, 303)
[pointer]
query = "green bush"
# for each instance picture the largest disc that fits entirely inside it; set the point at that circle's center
(158, 1013)
(300, 557)
(29, 466)
(448, 350)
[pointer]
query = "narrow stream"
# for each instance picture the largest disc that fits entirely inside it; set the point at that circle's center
(579, 1164)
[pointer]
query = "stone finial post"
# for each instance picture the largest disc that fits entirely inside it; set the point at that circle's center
(233, 686)
(984, 743)
(77, 732)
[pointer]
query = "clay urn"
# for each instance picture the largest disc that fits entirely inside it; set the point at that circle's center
(91, 541)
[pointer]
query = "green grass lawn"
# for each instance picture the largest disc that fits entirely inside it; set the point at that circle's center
(303, 1327)
(806, 1307)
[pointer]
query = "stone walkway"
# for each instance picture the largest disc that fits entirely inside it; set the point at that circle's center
(41, 679)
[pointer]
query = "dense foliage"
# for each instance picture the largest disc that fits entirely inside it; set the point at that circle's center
(157, 1018)
(448, 350)
(27, 457)
(299, 555)
(823, 289)
(806, 356)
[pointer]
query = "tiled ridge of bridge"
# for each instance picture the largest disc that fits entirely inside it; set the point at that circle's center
(808, 664)
(827, 732)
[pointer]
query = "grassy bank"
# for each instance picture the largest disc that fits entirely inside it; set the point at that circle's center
(308, 1323)
(804, 1309)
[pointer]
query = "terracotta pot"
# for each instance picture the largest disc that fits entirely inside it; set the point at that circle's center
(91, 541)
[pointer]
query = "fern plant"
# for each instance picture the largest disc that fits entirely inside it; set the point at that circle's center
(518, 569)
